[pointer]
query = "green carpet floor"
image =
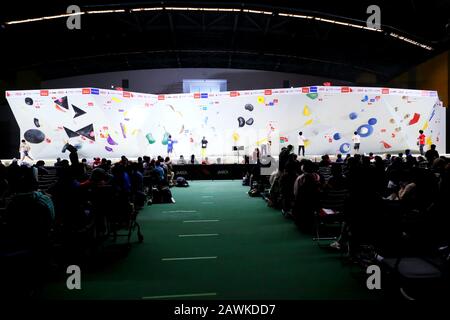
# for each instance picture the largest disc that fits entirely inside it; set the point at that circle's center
(254, 253)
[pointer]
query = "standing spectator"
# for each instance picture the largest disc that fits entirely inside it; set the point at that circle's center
(284, 156)
(431, 154)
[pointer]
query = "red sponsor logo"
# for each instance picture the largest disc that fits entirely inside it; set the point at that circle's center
(234, 94)
(90, 104)
(305, 90)
(345, 89)
(86, 91)
(267, 92)
(44, 93)
(161, 97)
(385, 91)
(327, 84)
(197, 95)
(126, 94)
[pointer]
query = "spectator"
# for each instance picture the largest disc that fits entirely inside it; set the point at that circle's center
(193, 160)
(181, 160)
(431, 154)
(283, 157)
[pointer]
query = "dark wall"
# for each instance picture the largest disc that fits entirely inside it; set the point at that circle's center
(9, 129)
(171, 80)
(9, 133)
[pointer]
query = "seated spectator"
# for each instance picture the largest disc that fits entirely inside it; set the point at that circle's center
(97, 162)
(348, 156)
(140, 163)
(13, 174)
(181, 160)
(408, 153)
(170, 174)
(193, 160)
(307, 194)
(325, 162)
(205, 161)
(387, 160)
(159, 172)
(137, 185)
(121, 179)
(40, 166)
(66, 196)
(58, 162)
(339, 158)
(30, 214)
(124, 161)
(284, 156)
(337, 180)
(287, 181)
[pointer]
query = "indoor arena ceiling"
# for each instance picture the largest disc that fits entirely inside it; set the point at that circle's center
(324, 38)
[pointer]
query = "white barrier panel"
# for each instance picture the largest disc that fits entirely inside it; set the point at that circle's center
(107, 123)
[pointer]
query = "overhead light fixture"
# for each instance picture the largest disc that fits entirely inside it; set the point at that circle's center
(256, 11)
(399, 37)
(105, 11)
(252, 11)
(44, 18)
(147, 9)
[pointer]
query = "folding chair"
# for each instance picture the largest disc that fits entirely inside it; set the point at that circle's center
(330, 214)
(115, 214)
(419, 277)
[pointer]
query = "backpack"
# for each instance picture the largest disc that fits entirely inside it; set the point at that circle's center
(181, 182)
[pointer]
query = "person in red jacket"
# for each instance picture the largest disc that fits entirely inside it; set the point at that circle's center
(421, 141)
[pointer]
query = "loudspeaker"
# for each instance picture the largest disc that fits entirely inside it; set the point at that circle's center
(286, 84)
(125, 83)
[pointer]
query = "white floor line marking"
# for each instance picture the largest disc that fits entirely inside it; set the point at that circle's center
(180, 211)
(194, 221)
(206, 294)
(198, 235)
(189, 258)
(207, 196)
(207, 202)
